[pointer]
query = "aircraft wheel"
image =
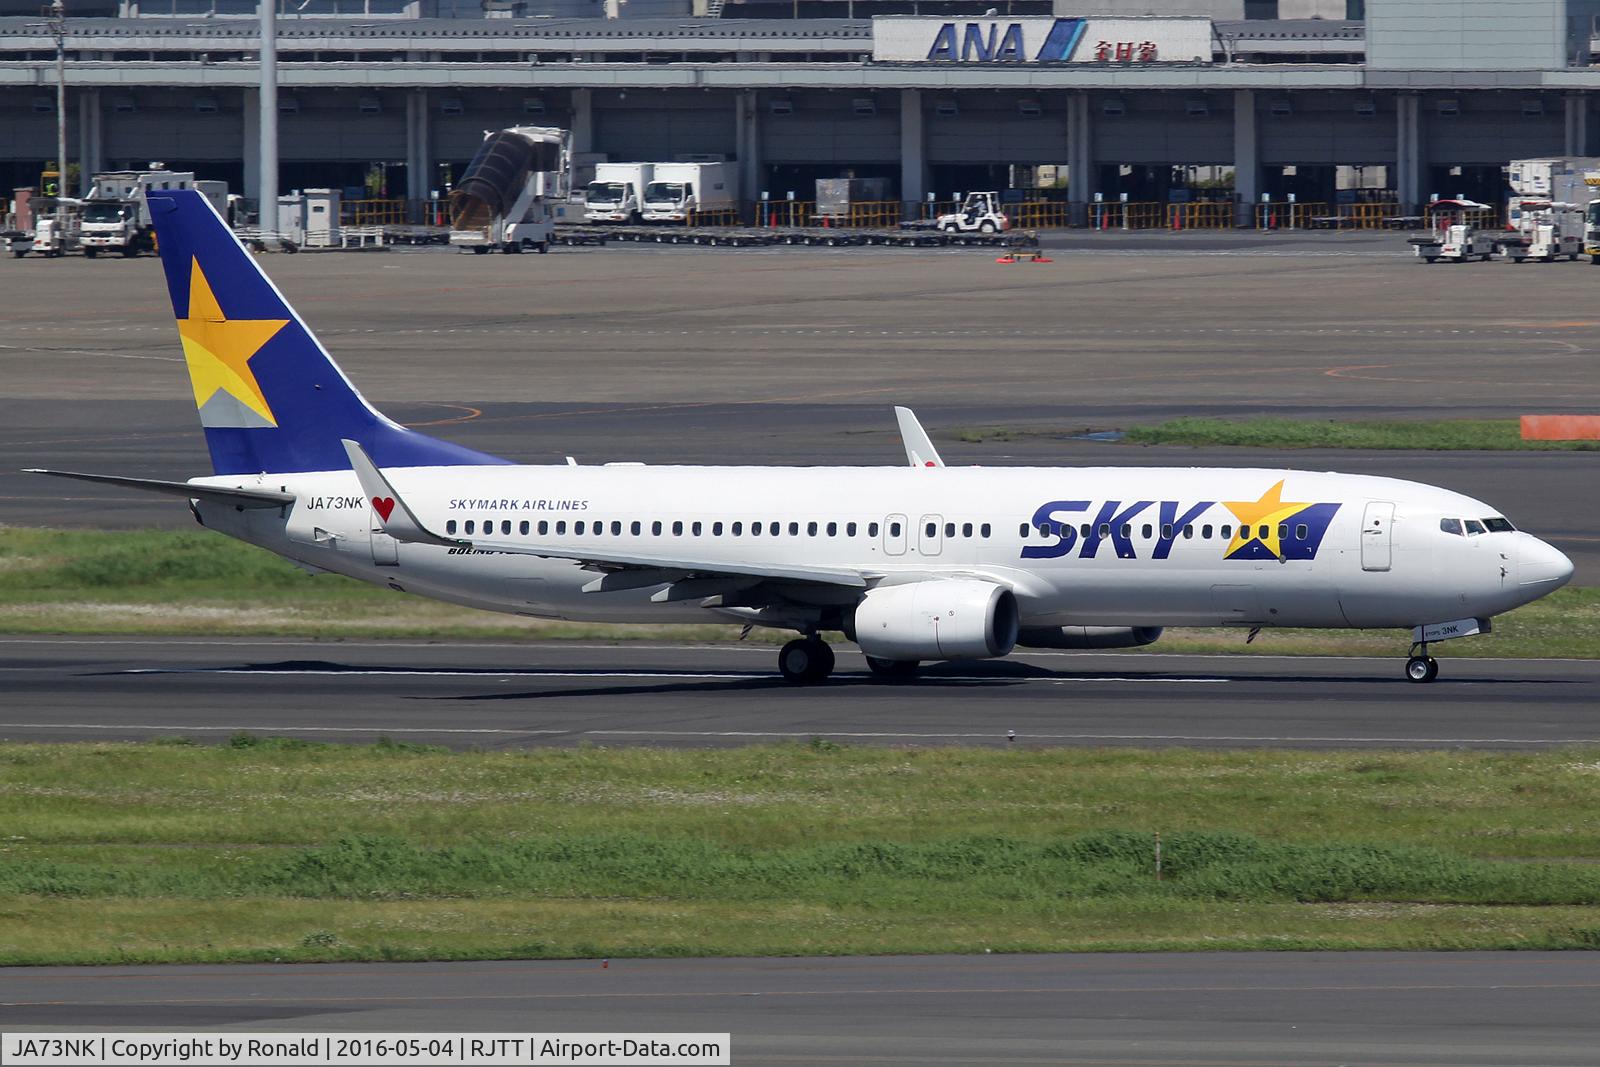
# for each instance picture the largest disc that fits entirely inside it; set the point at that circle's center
(1422, 669)
(893, 669)
(805, 660)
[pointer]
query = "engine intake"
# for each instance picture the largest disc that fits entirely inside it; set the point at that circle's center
(1088, 636)
(959, 618)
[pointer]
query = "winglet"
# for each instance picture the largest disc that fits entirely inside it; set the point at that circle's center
(919, 449)
(394, 515)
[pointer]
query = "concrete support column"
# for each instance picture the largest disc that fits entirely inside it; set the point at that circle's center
(1410, 161)
(1246, 156)
(419, 152)
(91, 159)
(252, 143)
(582, 121)
(1577, 115)
(913, 154)
(747, 139)
(1083, 174)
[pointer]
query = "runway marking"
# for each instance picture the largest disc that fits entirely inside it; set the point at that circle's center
(999, 990)
(489, 672)
(780, 734)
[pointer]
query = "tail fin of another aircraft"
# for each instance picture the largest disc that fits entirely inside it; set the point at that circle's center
(271, 399)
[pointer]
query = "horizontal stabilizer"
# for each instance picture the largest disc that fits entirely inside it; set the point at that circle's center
(217, 494)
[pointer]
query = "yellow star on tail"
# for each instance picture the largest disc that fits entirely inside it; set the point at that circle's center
(218, 350)
(1252, 514)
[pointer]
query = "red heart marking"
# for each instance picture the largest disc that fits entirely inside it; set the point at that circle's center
(383, 505)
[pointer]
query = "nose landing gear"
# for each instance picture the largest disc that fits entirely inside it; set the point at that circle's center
(1421, 667)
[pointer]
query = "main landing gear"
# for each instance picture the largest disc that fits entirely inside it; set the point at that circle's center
(805, 660)
(1421, 667)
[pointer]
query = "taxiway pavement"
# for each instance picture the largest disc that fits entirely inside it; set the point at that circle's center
(512, 695)
(1204, 1009)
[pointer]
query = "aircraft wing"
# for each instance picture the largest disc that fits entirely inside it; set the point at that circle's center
(242, 498)
(401, 523)
(919, 449)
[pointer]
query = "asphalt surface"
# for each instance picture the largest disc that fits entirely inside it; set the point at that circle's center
(1440, 1009)
(506, 696)
(795, 356)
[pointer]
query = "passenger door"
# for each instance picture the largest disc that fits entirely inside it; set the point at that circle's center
(1377, 536)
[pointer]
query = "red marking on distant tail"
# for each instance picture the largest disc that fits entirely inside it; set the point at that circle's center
(383, 505)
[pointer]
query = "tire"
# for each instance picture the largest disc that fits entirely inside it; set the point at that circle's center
(90, 253)
(130, 251)
(893, 670)
(19, 252)
(1422, 669)
(544, 247)
(480, 251)
(805, 661)
(987, 227)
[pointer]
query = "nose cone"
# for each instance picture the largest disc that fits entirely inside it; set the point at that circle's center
(1541, 564)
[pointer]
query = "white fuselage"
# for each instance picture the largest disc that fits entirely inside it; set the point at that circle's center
(1120, 546)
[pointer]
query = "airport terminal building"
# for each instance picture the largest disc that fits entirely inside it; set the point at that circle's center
(1152, 100)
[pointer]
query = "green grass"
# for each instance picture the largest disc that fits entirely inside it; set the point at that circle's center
(150, 582)
(267, 849)
(1437, 435)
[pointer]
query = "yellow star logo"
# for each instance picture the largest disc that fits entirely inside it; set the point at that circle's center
(218, 349)
(1254, 514)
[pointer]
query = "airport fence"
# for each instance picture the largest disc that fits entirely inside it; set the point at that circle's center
(720, 217)
(1038, 214)
(1123, 215)
(785, 212)
(1209, 215)
(1377, 215)
(1288, 216)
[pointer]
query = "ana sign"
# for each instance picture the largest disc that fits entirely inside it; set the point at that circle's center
(1129, 41)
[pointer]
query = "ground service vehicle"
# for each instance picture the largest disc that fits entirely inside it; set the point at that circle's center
(679, 190)
(57, 226)
(979, 213)
(115, 218)
(914, 562)
(1453, 238)
(1558, 179)
(1544, 230)
(617, 192)
(504, 197)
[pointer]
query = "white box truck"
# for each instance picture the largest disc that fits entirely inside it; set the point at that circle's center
(617, 192)
(678, 190)
(504, 198)
(116, 218)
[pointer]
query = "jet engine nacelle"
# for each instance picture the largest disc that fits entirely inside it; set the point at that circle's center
(1088, 636)
(955, 619)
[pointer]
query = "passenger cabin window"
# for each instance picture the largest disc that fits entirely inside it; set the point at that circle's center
(949, 529)
(616, 528)
(716, 529)
(695, 529)
(544, 527)
(872, 529)
(984, 530)
(577, 527)
(561, 527)
(1205, 531)
(450, 527)
(1226, 530)
(833, 529)
(772, 529)
(736, 529)
(1188, 532)
(1022, 531)
(849, 529)
(522, 528)
(655, 528)
(1147, 530)
(811, 529)
(966, 529)
(1283, 531)
(1044, 529)
(1451, 526)
(471, 526)
(755, 529)
(1301, 531)
(677, 528)
(637, 528)
(794, 529)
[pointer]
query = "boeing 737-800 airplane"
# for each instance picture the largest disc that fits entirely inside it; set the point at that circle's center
(914, 563)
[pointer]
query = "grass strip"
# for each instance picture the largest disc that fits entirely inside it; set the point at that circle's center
(270, 848)
(164, 583)
(1445, 435)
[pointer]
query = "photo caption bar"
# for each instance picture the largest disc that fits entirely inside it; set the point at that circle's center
(475, 1050)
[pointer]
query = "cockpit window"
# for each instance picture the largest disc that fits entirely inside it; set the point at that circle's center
(1474, 528)
(1498, 525)
(1451, 526)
